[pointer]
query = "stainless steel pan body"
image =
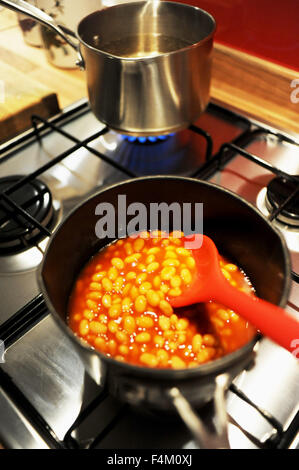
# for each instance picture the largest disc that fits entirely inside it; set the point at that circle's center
(239, 231)
(148, 64)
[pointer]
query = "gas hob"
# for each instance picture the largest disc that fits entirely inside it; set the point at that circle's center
(47, 400)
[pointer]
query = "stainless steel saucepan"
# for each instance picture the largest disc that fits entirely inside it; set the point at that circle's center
(230, 224)
(148, 64)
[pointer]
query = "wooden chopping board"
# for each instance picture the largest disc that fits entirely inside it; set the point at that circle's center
(20, 97)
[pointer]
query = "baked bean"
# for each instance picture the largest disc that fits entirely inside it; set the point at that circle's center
(98, 276)
(171, 262)
(223, 314)
(177, 363)
(141, 278)
(128, 248)
(154, 250)
(100, 344)
(167, 273)
(120, 358)
(112, 326)
(107, 284)
(166, 307)
(134, 292)
(140, 303)
(131, 276)
(152, 267)
(145, 235)
(95, 286)
(203, 355)
(164, 322)
(170, 255)
(159, 340)
(172, 346)
(157, 282)
(103, 318)
(175, 281)
(183, 252)
(83, 327)
(145, 286)
(152, 298)
(94, 295)
(150, 259)
(120, 305)
(148, 359)
(177, 234)
(182, 337)
(190, 262)
(97, 327)
(112, 273)
(106, 301)
(162, 357)
(122, 337)
(164, 289)
(143, 338)
(127, 289)
(126, 304)
(112, 346)
(182, 324)
(226, 274)
(123, 349)
(129, 324)
(208, 340)
(132, 259)
(196, 342)
(145, 322)
(139, 244)
(118, 263)
(175, 292)
(231, 267)
(91, 304)
(186, 276)
(88, 314)
(114, 311)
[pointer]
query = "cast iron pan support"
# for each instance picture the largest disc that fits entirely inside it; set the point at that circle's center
(205, 438)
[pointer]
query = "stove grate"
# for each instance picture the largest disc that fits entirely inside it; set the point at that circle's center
(33, 312)
(233, 149)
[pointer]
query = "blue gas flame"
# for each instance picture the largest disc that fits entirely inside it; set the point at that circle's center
(145, 140)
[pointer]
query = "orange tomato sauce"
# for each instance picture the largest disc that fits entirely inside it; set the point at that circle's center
(120, 306)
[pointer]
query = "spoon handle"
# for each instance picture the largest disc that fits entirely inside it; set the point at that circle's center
(270, 319)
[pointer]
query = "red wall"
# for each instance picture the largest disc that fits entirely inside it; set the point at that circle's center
(265, 28)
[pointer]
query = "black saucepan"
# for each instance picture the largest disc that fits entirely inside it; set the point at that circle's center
(239, 231)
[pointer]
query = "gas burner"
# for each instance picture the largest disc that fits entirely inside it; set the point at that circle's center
(16, 233)
(278, 190)
(147, 140)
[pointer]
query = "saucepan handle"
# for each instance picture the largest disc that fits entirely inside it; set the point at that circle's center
(205, 439)
(30, 10)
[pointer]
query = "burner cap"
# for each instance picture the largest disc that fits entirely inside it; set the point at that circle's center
(15, 231)
(278, 190)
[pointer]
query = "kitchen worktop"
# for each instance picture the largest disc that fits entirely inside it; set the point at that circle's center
(241, 81)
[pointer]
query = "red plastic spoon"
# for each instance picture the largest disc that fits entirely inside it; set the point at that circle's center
(210, 284)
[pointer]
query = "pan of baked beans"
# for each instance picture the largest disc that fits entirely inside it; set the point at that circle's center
(111, 295)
